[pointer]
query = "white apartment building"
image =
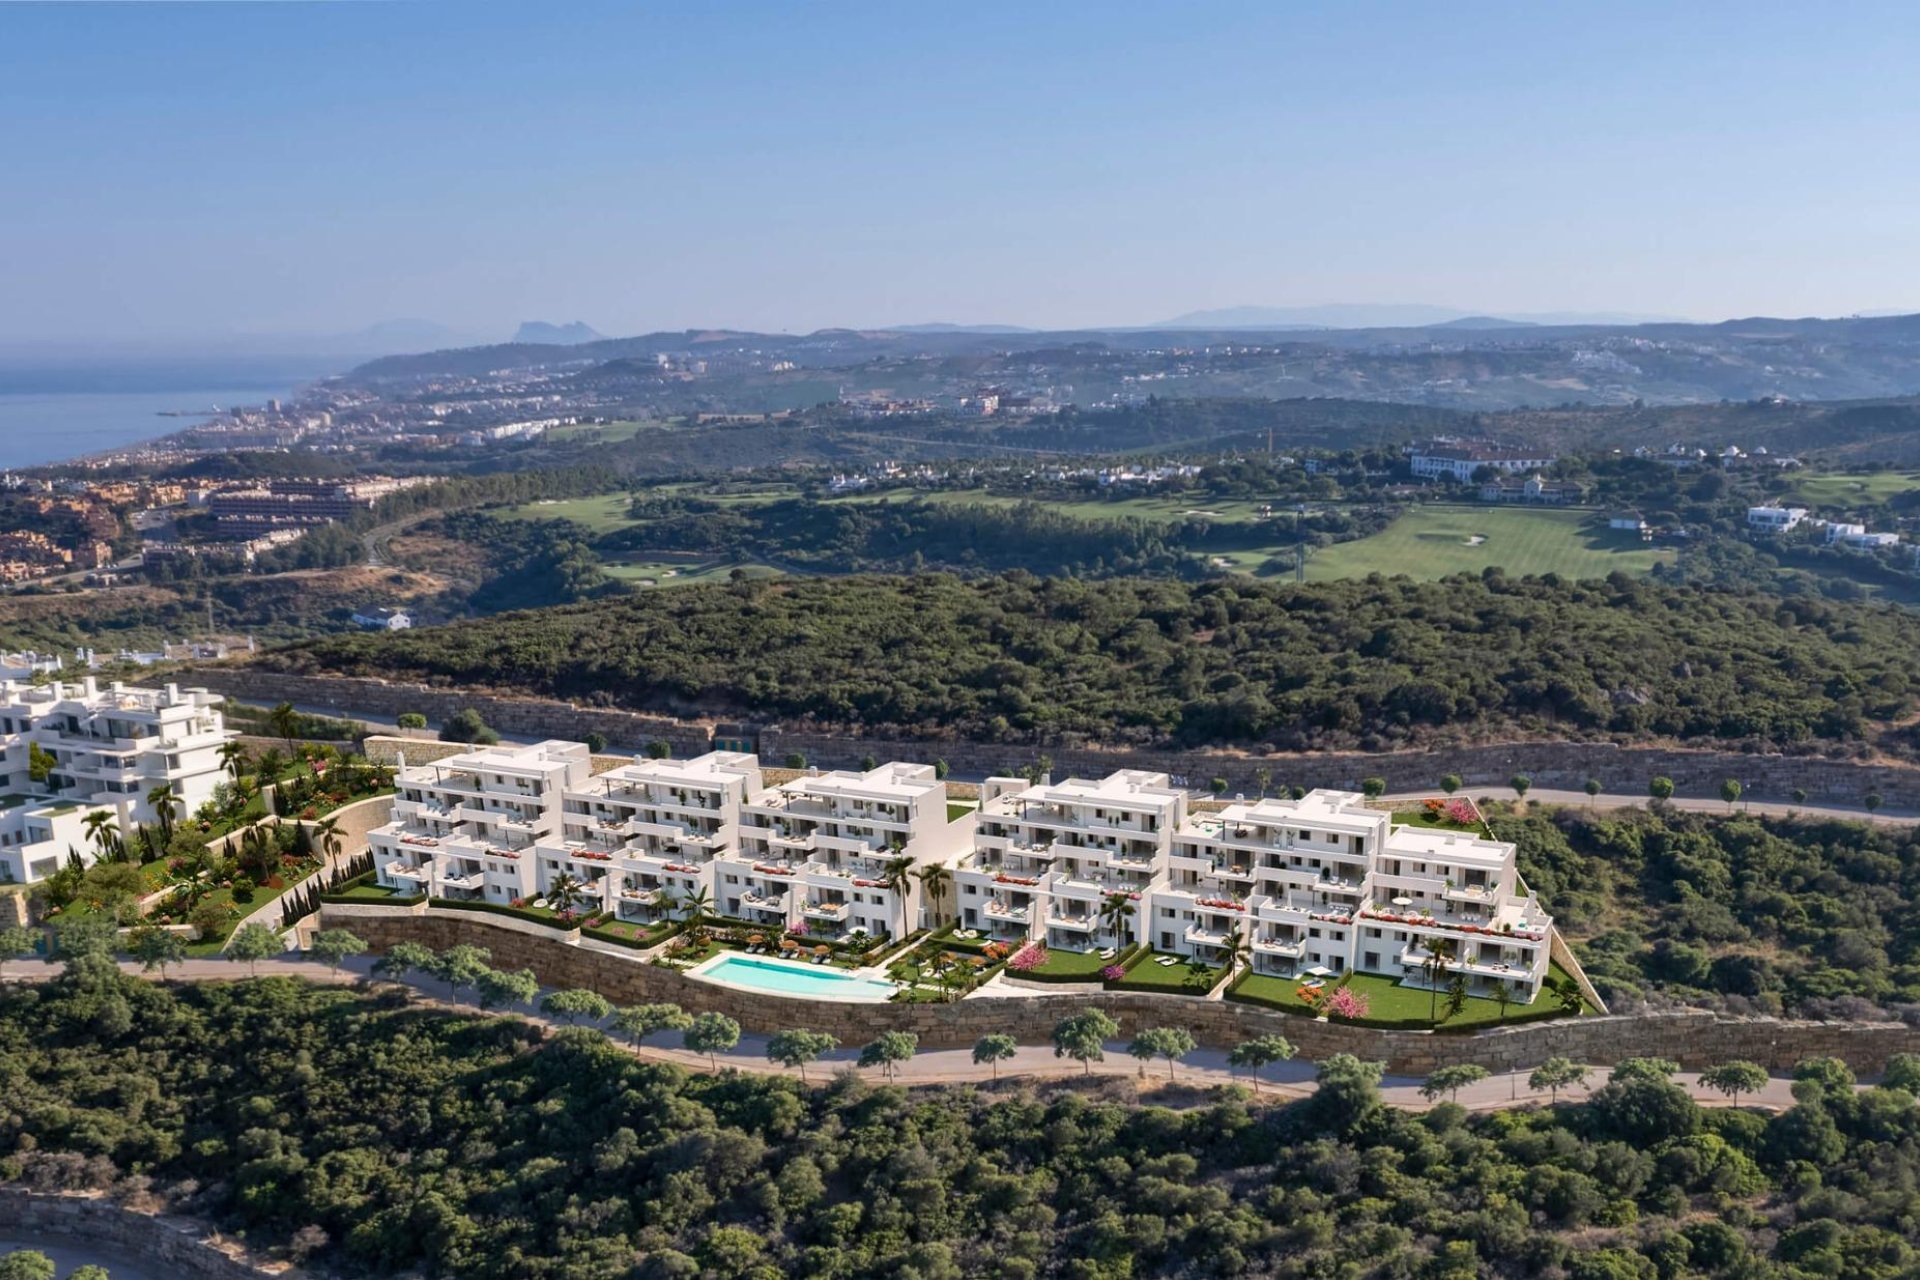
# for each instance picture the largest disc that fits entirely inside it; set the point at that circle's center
(814, 852)
(1460, 459)
(1775, 519)
(467, 826)
(648, 833)
(1048, 857)
(37, 836)
(106, 748)
(1326, 882)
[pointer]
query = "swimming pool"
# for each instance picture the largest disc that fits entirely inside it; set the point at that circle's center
(788, 979)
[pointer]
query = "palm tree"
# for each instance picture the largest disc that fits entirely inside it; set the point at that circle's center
(1439, 952)
(1115, 910)
(893, 878)
(232, 757)
(565, 890)
(934, 880)
(1502, 996)
(284, 719)
(164, 805)
(326, 834)
(100, 830)
(696, 904)
(1236, 946)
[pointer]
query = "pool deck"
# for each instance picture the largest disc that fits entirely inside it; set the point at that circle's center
(821, 976)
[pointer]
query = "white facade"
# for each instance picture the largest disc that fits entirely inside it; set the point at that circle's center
(1857, 537)
(814, 852)
(108, 748)
(1460, 462)
(466, 827)
(37, 836)
(1048, 857)
(1327, 882)
(645, 835)
(1774, 519)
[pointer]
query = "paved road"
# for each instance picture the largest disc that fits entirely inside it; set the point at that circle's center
(1204, 1067)
(1703, 804)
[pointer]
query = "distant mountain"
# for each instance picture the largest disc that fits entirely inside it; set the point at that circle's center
(941, 327)
(1367, 315)
(1484, 322)
(557, 335)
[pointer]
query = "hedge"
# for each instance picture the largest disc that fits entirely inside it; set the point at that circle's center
(1081, 979)
(519, 913)
(602, 934)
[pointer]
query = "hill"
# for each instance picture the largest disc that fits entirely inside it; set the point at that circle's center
(1373, 663)
(561, 335)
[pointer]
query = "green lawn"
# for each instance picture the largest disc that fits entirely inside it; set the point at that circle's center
(661, 572)
(1438, 822)
(637, 935)
(601, 514)
(1840, 489)
(957, 810)
(1432, 542)
(1145, 975)
(1389, 1001)
(1076, 965)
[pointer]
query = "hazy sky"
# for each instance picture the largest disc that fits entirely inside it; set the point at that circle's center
(179, 170)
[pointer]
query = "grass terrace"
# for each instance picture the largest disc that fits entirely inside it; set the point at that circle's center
(1145, 973)
(626, 933)
(1431, 542)
(1392, 1004)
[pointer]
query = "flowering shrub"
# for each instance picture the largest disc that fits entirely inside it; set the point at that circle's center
(1435, 806)
(1462, 812)
(994, 950)
(1114, 972)
(1345, 1002)
(1028, 958)
(796, 930)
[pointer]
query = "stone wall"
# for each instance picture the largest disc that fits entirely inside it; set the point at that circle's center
(1694, 1039)
(172, 1247)
(1558, 765)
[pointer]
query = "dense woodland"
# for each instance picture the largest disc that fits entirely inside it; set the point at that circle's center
(353, 1133)
(1804, 916)
(1370, 663)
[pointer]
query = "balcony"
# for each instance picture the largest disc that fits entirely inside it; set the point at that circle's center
(1484, 894)
(1293, 948)
(643, 897)
(1205, 935)
(464, 880)
(1080, 924)
(401, 871)
(1001, 909)
(763, 901)
(826, 910)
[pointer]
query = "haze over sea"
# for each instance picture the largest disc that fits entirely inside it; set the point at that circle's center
(55, 410)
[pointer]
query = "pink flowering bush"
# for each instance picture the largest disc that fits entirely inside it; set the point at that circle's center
(1345, 1002)
(1114, 972)
(1462, 812)
(1028, 958)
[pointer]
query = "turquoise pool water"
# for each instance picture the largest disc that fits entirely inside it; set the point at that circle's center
(794, 980)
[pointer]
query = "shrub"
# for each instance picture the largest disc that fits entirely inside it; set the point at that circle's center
(1028, 958)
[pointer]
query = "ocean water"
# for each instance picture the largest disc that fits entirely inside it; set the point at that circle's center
(53, 411)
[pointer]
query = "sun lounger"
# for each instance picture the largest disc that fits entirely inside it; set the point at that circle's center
(1166, 961)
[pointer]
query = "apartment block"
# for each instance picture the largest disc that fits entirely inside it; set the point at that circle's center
(103, 748)
(814, 853)
(1048, 858)
(647, 834)
(468, 826)
(1327, 883)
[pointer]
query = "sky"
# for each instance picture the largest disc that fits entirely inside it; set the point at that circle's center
(174, 172)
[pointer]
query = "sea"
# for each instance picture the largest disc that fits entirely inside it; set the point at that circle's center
(57, 410)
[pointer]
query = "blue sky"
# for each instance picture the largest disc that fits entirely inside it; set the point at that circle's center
(181, 170)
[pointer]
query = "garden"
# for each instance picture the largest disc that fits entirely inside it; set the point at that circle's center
(1374, 1000)
(946, 967)
(1160, 971)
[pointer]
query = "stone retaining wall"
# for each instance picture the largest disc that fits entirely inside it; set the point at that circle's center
(1694, 1039)
(1556, 765)
(172, 1247)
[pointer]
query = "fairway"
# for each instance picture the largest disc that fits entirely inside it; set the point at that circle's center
(1432, 542)
(1840, 489)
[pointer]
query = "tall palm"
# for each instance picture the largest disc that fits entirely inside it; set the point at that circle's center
(1115, 910)
(565, 890)
(164, 805)
(326, 834)
(893, 878)
(284, 720)
(1439, 952)
(935, 880)
(695, 904)
(100, 830)
(233, 758)
(1236, 946)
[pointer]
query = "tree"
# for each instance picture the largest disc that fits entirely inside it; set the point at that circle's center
(208, 918)
(285, 720)
(1259, 1052)
(1730, 792)
(1735, 1078)
(17, 942)
(940, 770)
(233, 758)
(1434, 968)
(27, 1264)
(795, 760)
(1115, 910)
(566, 891)
(335, 946)
(327, 837)
(1503, 997)
(460, 966)
(403, 958)
(1083, 1037)
(868, 763)
(1567, 991)
(1592, 789)
(503, 988)
(638, 1021)
(596, 742)
(576, 1003)
(1171, 1043)
(1902, 1072)
(410, 720)
(156, 947)
(888, 1050)
(696, 904)
(893, 878)
(1628, 1069)
(1263, 779)
(1457, 995)
(1373, 788)
(1799, 795)
(798, 1048)
(710, 1033)
(1661, 789)
(465, 725)
(165, 806)
(1556, 1074)
(1873, 802)
(1450, 1080)
(935, 883)
(1218, 786)
(1237, 948)
(102, 832)
(1520, 783)
(995, 1047)
(1450, 783)
(252, 943)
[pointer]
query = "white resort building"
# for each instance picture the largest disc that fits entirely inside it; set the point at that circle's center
(836, 854)
(466, 826)
(98, 748)
(1049, 858)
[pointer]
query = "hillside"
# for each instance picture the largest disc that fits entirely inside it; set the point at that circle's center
(1372, 663)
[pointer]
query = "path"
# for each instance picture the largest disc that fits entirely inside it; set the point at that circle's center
(1203, 1068)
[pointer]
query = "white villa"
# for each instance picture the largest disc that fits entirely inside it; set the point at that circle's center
(104, 749)
(1048, 857)
(467, 826)
(814, 852)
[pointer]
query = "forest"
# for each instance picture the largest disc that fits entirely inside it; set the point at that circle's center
(1755, 915)
(348, 1131)
(1371, 663)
